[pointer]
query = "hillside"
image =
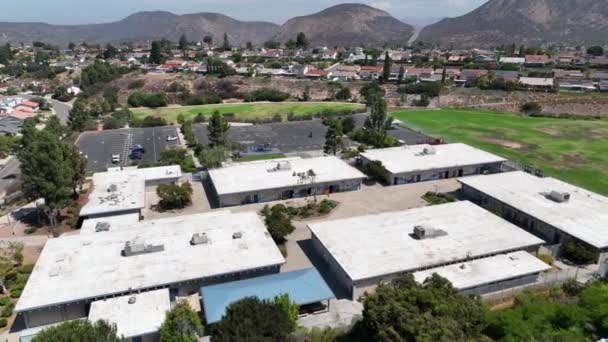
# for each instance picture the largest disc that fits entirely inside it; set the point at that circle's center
(523, 21)
(347, 25)
(142, 26)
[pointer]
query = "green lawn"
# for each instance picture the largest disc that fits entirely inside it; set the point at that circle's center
(247, 110)
(575, 151)
(260, 157)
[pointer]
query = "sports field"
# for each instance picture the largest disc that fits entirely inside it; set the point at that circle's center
(248, 110)
(575, 151)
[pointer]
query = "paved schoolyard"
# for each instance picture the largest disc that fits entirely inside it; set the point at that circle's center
(297, 136)
(98, 147)
(287, 137)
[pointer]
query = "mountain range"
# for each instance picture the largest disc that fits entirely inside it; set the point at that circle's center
(494, 23)
(523, 22)
(343, 25)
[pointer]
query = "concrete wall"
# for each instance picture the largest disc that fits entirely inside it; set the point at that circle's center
(337, 273)
(436, 174)
(287, 193)
(502, 285)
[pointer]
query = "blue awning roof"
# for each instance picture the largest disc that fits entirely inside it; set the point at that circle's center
(303, 287)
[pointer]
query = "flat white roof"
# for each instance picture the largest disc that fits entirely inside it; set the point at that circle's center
(143, 316)
(474, 273)
(82, 267)
(513, 60)
(115, 222)
(406, 159)
(584, 216)
(264, 175)
(537, 81)
(124, 189)
(376, 245)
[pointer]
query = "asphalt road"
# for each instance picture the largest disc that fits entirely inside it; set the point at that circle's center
(98, 147)
(62, 110)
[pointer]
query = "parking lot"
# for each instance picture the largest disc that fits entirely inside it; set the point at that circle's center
(296, 136)
(98, 147)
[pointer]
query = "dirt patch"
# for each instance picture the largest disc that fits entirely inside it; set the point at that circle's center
(505, 143)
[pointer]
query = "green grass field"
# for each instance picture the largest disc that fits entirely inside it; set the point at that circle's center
(247, 110)
(575, 151)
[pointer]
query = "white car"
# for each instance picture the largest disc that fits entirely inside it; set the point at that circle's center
(116, 158)
(171, 137)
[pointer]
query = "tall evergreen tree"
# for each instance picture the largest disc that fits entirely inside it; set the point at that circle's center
(156, 54)
(333, 137)
(183, 43)
(401, 74)
(378, 123)
(218, 130)
(386, 71)
(302, 41)
(226, 45)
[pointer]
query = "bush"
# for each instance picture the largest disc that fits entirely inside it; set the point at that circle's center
(266, 94)
(278, 222)
(202, 100)
(3, 322)
(4, 301)
(423, 101)
(432, 89)
(26, 269)
(578, 253)
(173, 196)
(546, 258)
(111, 123)
(136, 84)
(151, 100)
(343, 94)
(326, 206)
(531, 108)
(153, 121)
(375, 171)
(7, 311)
(16, 293)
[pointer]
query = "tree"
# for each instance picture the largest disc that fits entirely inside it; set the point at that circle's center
(401, 74)
(218, 130)
(378, 123)
(80, 330)
(348, 124)
(333, 137)
(278, 222)
(226, 45)
(156, 54)
(370, 91)
(51, 169)
(249, 46)
(110, 52)
(343, 94)
(181, 325)
(252, 319)
(173, 196)
(578, 253)
(291, 309)
(386, 71)
(302, 41)
(208, 40)
(79, 115)
(183, 43)
(212, 157)
(432, 311)
(595, 51)
(375, 171)
(531, 108)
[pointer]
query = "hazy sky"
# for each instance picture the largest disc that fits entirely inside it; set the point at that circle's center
(96, 11)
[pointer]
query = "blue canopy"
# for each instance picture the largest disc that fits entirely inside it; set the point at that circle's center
(303, 287)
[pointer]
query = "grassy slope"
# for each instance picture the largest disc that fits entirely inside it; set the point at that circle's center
(246, 110)
(575, 151)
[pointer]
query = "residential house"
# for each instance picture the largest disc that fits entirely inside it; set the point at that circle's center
(513, 60)
(469, 77)
(506, 75)
(576, 84)
(317, 74)
(370, 72)
(601, 62)
(329, 54)
(10, 125)
(537, 60)
(537, 83)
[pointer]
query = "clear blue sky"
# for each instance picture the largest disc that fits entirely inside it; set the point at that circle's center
(95, 11)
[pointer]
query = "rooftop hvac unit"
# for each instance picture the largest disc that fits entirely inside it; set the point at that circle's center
(138, 246)
(237, 235)
(281, 166)
(429, 150)
(112, 188)
(102, 227)
(425, 231)
(199, 239)
(132, 300)
(559, 197)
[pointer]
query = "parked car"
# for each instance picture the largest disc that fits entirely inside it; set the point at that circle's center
(115, 158)
(138, 148)
(136, 155)
(171, 138)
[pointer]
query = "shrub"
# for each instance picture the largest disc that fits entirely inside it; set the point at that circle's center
(3, 322)
(375, 171)
(4, 301)
(202, 100)
(151, 100)
(153, 121)
(424, 101)
(173, 196)
(531, 108)
(578, 253)
(111, 123)
(26, 269)
(326, 206)
(7, 311)
(546, 258)
(136, 84)
(278, 222)
(16, 293)
(432, 89)
(267, 94)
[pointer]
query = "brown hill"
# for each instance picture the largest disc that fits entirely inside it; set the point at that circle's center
(142, 26)
(524, 22)
(347, 25)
